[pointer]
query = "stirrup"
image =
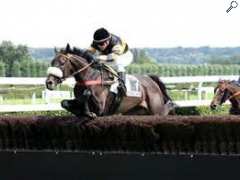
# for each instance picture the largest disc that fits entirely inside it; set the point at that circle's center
(122, 88)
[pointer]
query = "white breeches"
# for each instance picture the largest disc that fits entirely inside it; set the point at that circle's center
(121, 62)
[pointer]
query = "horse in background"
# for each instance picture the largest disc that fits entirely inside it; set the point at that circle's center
(92, 91)
(227, 90)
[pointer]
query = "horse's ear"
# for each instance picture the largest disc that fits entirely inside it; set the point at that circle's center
(68, 48)
(55, 50)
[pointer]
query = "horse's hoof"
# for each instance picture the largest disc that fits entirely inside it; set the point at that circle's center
(91, 115)
(171, 105)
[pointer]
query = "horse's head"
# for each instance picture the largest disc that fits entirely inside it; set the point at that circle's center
(222, 93)
(65, 64)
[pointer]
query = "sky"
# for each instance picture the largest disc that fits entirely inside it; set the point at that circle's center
(142, 23)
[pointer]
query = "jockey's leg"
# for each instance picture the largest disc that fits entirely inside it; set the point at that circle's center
(122, 87)
(122, 76)
(121, 62)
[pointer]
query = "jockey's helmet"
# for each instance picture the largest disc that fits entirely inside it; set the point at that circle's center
(101, 35)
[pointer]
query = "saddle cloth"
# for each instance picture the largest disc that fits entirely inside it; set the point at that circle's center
(132, 85)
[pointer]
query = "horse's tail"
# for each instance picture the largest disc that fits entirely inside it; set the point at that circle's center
(162, 87)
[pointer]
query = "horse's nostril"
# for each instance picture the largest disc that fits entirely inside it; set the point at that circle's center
(213, 106)
(49, 82)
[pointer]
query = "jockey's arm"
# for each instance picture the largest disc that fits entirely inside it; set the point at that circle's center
(91, 50)
(116, 51)
(107, 58)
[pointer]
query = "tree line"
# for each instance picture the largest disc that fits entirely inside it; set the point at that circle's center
(183, 70)
(144, 64)
(15, 61)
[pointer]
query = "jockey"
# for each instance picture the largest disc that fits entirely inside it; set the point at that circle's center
(113, 51)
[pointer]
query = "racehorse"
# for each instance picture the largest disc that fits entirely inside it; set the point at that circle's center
(93, 96)
(227, 90)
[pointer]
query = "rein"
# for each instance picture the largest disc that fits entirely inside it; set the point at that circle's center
(87, 82)
(78, 71)
(76, 57)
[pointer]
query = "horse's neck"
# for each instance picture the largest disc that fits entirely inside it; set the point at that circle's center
(233, 89)
(81, 69)
(90, 73)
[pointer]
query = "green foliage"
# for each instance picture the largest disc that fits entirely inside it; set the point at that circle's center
(33, 69)
(140, 57)
(2, 69)
(25, 68)
(16, 69)
(16, 61)
(183, 70)
(43, 69)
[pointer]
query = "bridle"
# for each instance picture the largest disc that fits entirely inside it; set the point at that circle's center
(68, 57)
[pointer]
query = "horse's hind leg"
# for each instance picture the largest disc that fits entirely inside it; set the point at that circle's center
(156, 105)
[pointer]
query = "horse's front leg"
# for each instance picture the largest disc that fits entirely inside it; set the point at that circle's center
(86, 95)
(73, 106)
(79, 106)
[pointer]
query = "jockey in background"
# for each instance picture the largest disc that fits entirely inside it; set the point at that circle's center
(113, 51)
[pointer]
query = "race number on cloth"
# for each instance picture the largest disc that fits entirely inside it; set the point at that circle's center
(132, 85)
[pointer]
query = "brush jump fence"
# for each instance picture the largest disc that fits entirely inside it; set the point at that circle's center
(120, 147)
(161, 134)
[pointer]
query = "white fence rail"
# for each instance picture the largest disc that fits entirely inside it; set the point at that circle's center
(71, 82)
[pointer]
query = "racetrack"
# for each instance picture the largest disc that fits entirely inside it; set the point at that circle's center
(167, 135)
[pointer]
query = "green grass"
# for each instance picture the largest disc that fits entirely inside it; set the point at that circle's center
(37, 113)
(191, 95)
(27, 101)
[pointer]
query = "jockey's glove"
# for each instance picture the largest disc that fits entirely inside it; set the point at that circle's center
(105, 58)
(95, 60)
(102, 57)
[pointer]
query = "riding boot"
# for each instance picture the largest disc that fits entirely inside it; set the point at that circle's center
(122, 87)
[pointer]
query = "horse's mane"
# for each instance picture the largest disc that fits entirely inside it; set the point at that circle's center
(83, 53)
(79, 52)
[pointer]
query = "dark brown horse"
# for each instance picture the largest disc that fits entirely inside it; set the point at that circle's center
(227, 90)
(92, 89)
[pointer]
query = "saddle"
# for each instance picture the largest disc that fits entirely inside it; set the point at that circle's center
(131, 83)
